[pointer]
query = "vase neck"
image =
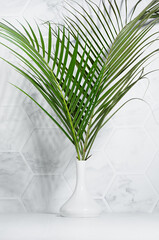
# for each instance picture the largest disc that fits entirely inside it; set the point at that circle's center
(80, 171)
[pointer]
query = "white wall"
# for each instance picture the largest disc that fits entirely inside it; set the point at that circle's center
(37, 164)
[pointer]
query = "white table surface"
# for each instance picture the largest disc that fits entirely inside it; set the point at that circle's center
(106, 227)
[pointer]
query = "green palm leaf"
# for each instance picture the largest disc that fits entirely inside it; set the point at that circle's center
(84, 80)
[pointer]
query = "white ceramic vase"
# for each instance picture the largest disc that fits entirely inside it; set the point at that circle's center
(81, 203)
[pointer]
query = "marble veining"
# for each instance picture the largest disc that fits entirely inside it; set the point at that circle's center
(131, 193)
(14, 174)
(44, 9)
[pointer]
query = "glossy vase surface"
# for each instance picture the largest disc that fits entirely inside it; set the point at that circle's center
(81, 203)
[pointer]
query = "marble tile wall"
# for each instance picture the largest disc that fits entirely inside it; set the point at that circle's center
(37, 164)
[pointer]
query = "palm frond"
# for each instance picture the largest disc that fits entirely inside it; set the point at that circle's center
(122, 49)
(84, 80)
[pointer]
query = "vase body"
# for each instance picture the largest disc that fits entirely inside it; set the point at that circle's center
(81, 203)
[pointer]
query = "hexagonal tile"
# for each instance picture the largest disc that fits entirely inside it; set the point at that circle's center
(133, 113)
(11, 206)
(15, 128)
(46, 194)
(131, 193)
(152, 172)
(130, 149)
(48, 151)
(14, 174)
(98, 174)
(152, 124)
